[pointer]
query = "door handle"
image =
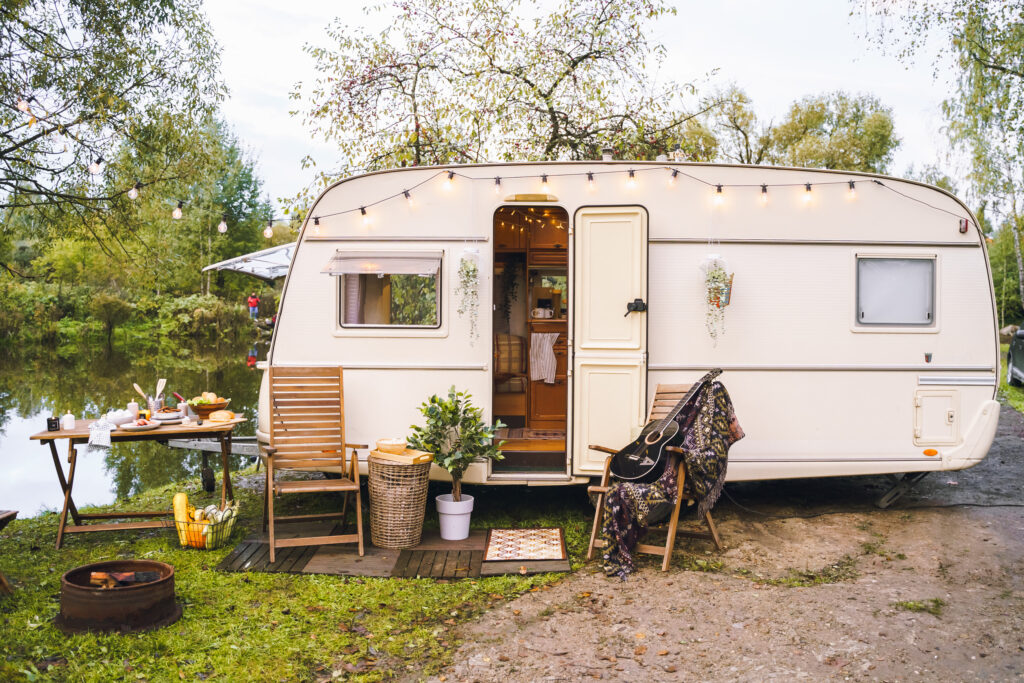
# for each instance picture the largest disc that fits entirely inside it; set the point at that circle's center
(635, 306)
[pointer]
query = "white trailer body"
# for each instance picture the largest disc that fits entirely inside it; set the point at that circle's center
(860, 337)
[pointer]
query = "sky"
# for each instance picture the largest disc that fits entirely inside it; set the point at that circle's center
(778, 51)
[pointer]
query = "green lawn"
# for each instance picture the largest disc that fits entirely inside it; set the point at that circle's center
(1012, 395)
(258, 626)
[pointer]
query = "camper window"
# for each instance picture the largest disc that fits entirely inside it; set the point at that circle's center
(895, 291)
(391, 289)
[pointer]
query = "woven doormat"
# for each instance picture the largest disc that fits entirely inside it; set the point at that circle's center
(525, 544)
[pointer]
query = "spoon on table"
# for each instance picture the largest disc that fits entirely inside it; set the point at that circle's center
(160, 384)
(141, 392)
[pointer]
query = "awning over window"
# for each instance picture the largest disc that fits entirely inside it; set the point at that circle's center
(267, 264)
(384, 263)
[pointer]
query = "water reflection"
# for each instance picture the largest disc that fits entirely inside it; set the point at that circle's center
(87, 384)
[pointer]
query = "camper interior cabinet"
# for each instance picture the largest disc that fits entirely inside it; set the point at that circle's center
(531, 390)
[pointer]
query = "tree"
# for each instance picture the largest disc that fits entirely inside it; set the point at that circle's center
(462, 81)
(834, 130)
(81, 79)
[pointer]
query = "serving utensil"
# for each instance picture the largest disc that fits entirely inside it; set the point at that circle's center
(141, 392)
(160, 384)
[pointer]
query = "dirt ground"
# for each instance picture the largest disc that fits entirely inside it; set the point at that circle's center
(796, 597)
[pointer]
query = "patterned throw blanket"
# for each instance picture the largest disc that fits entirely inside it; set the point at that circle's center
(709, 428)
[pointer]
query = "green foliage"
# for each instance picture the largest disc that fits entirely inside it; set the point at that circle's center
(835, 131)
(475, 80)
(94, 76)
(1003, 261)
(456, 434)
(203, 318)
(111, 310)
(413, 300)
(931, 605)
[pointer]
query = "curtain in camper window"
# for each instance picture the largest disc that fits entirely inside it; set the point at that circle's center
(383, 289)
(895, 291)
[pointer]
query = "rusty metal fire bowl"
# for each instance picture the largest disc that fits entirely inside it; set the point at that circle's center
(137, 607)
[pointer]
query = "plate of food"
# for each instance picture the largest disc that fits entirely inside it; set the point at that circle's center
(167, 413)
(140, 425)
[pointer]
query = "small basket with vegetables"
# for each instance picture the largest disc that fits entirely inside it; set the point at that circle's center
(207, 528)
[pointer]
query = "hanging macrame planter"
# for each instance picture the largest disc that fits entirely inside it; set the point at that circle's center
(468, 290)
(718, 294)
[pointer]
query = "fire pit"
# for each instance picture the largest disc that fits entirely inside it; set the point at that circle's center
(131, 607)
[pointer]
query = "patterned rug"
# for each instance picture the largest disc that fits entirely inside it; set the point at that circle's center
(525, 544)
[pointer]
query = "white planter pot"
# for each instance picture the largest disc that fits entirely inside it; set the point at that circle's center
(454, 516)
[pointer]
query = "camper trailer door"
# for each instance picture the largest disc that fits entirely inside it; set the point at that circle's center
(609, 330)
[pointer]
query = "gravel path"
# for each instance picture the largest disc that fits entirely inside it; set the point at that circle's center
(760, 613)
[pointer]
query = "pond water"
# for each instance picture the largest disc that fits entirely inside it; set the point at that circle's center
(90, 384)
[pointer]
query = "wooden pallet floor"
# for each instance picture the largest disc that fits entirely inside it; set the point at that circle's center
(432, 558)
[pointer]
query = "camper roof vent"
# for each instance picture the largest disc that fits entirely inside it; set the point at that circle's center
(607, 154)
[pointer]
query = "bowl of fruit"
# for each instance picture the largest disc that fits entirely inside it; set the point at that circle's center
(208, 403)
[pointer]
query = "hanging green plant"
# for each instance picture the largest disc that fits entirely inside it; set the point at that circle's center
(718, 294)
(468, 292)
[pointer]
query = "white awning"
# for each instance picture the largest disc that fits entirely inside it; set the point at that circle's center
(267, 264)
(384, 263)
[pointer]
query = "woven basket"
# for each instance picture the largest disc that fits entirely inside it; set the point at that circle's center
(398, 501)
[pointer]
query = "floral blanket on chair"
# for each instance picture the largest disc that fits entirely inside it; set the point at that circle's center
(709, 428)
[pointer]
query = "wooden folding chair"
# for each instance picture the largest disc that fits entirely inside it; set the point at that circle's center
(665, 398)
(307, 430)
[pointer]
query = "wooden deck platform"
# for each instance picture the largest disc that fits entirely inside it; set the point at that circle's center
(432, 558)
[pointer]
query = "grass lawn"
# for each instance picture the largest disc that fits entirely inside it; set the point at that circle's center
(258, 626)
(1012, 395)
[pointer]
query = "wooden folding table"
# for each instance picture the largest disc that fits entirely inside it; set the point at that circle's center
(80, 435)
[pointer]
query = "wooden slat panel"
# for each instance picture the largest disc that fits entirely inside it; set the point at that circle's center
(284, 396)
(673, 388)
(426, 562)
(280, 381)
(462, 564)
(306, 403)
(296, 437)
(250, 558)
(451, 561)
(437, 569)
(287, 563)
(316, 540)
(286, 371)
(315, 485)
(476, 558)
(402, 565)
(230, 560)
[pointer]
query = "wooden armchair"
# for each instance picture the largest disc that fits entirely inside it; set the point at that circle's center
(665, 398)
(307, 430)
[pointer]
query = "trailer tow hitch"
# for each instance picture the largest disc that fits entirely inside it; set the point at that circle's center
(903, 485)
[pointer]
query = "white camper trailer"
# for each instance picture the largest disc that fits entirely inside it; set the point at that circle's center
(859, 335)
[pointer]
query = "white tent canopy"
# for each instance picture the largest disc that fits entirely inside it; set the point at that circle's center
(267, 264)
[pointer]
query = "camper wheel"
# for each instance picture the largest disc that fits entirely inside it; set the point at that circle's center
(1010, 379)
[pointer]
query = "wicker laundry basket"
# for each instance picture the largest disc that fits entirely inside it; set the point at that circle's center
(398, 501)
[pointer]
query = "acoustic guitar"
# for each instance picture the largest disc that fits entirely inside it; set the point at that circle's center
(640, 459)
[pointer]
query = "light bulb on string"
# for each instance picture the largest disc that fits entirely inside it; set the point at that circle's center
(450, 180)
(366, 216)
(764, 194)
(497, 185)
(807, 193)
(134, 192)
(222, 227)
(176, 214)
(408, 197)
(672, 178)
(852, 192)
(631, 179)
(544, 181)
(23, 104)
(590, 182)
(719, 198)
(96, 166)
(268, 231)
(316, 225)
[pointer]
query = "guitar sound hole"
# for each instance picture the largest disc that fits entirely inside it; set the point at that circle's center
(652, 438)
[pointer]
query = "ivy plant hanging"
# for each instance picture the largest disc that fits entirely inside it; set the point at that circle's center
(468, 292)
(718, 293)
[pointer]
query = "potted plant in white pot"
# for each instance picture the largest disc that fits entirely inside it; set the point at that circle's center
(457, 435)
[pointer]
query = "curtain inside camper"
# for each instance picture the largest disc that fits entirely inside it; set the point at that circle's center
(380, 289)
(895, 291)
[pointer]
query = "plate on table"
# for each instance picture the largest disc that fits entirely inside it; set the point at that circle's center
(139, 428)
(172, 421)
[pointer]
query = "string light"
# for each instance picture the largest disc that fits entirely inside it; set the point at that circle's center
(450, 181)
(672, 178)
(590, 182)
(764, 194)
(134, 192)
(807, 193)
(852, 194)
(23, 103)
(268, 231)
(366, 216)
(719, 197)
(544, 180)
(176, 214)
(631, 180)
(316, 225)
(222, 227)
(96, 166)
(408, 197)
